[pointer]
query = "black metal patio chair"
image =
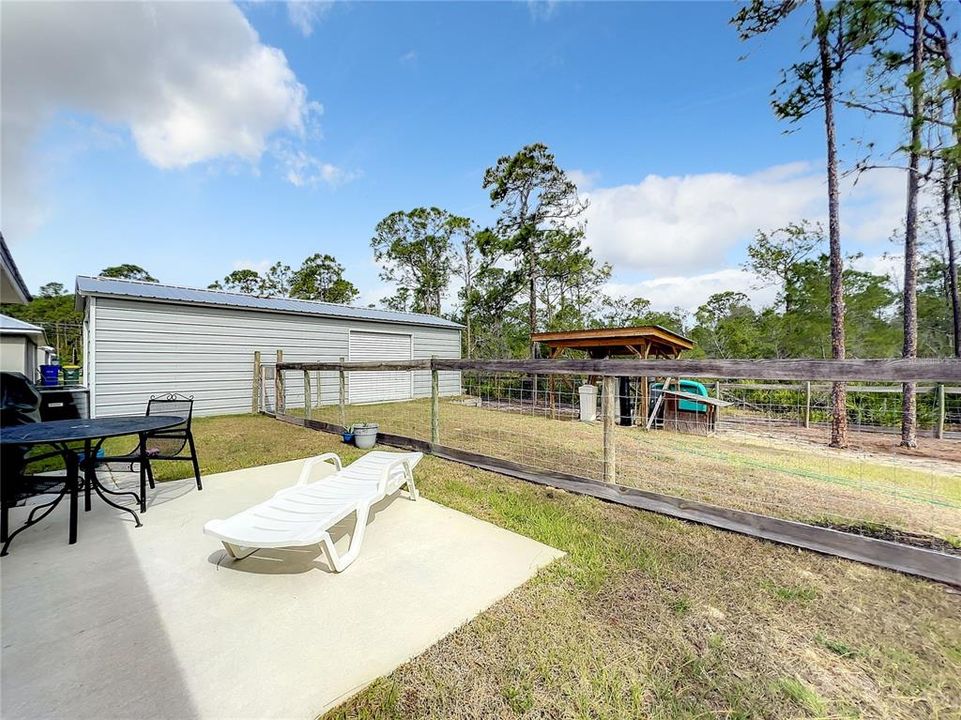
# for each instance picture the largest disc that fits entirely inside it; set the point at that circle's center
(169, 444)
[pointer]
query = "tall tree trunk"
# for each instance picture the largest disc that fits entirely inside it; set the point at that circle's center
(532, 292)
(839, 396)
(952, 263)
(945, 50)
(467, 323)
(909, 430)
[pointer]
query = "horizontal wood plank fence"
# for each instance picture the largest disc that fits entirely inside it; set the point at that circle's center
(941, 370)
(946, 370)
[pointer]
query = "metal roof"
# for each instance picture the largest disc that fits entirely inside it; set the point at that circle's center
(12, 280)
(156, 292)
(12, 326)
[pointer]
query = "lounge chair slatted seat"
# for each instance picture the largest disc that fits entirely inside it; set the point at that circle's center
(302, 515)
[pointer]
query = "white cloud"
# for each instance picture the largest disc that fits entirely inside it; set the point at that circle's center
(873, 206)
(584, 179)
(191, 81)
(261, 266)
(409, 57)
(301, 169)
(305, 14)
(690, 291)
(691, 223)
(890, 264)
(542, 9)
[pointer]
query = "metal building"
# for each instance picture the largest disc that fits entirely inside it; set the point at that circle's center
(145, 338)
(20, 346)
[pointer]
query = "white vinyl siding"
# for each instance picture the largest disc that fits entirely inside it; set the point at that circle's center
(369, 387)
(441, 344)
(146, 347)
(18, 353)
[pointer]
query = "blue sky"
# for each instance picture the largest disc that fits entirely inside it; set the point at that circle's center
(198, 138)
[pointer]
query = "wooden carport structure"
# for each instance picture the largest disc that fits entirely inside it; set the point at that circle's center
(645, 341)
(642, 342)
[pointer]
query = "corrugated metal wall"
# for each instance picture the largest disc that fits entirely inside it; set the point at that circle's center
(144, 348)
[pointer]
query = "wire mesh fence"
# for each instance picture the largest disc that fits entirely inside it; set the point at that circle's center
(870, 408)
(758, 446)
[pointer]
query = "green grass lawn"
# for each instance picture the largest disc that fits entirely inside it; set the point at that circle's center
(648, 616)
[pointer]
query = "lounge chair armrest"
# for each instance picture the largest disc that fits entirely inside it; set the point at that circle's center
(408, 473)
(312, 462)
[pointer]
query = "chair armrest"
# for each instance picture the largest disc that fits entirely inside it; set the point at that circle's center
(408, 473)
(312, 462)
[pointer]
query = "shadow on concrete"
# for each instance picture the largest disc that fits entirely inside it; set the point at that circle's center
(293, 561)
(82, 636)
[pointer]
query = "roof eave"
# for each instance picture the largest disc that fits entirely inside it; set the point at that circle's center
(609, 336)
(13, 273)
(81, 296)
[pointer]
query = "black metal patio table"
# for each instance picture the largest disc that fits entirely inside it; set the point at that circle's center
(61, 434)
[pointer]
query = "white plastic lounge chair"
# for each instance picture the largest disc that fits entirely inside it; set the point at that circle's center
(301, 515)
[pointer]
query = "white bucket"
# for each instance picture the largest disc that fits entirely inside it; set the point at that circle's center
(365, 435)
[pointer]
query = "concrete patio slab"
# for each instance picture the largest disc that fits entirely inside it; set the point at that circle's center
(156, 622)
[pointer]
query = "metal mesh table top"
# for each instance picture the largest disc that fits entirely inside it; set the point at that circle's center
(58, 431)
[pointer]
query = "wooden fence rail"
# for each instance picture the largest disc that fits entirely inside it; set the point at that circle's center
(940, 370)
(852, 388)
(946, 370)
(372, 365)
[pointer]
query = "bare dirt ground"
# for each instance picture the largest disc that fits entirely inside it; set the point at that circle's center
(936, 455)
(880, 444)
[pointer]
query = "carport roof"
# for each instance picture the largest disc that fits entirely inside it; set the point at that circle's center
(157, 292)
(641, 341)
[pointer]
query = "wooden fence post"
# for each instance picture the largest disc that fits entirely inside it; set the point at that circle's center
(434, 403)
(717, 390)
(280, 401)
(307, 402)
(807, 404)
(256, 391)
(608, 398)
(342, 398)
(645, 401)
(939, 412)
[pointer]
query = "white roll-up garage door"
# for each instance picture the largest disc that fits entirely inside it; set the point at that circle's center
(377, 386)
